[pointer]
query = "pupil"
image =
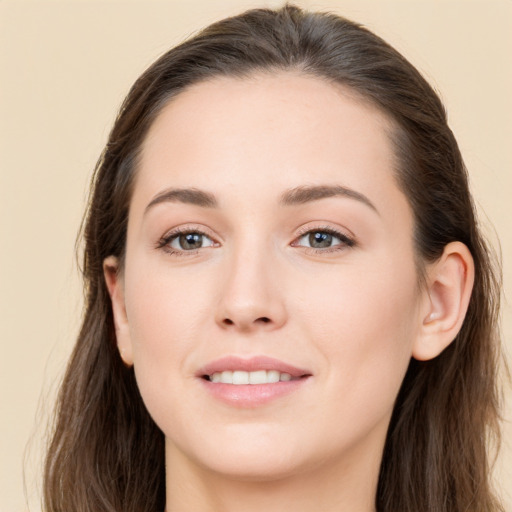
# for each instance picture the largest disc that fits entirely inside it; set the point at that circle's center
(191, 241)
(320, 240)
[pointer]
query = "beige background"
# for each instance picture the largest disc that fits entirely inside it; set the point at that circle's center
(65, 67)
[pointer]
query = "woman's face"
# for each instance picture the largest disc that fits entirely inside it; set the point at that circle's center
(267, 236)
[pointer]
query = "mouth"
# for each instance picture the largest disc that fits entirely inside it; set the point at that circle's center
(240, 377)
(253, 382)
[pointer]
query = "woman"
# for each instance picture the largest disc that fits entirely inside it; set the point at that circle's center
(288, 299)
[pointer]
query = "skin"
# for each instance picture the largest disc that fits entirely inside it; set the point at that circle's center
(352, 314)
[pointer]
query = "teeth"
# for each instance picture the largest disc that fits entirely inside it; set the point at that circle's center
(240, 377)
(258, 377)
(273, 376)
(226, 377)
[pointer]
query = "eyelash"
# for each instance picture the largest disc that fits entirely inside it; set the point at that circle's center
(166, 240)
(346, 241)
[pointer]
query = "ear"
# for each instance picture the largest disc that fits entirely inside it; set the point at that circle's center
(115, 287)
(449, 285)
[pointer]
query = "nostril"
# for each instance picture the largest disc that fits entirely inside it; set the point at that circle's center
(262, 319)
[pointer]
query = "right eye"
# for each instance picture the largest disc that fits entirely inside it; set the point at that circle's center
(185, 241)
(190, 241)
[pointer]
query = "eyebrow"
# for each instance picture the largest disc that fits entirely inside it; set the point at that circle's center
(184, 195)
(295, 196)
(306, 194)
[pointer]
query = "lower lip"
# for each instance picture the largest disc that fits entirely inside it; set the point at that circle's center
(252, 395)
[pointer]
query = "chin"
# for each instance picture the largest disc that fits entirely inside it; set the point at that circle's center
(255, 469)
(249, 455)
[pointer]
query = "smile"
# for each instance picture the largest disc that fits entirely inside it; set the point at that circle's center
(239, 377)
(251, 382)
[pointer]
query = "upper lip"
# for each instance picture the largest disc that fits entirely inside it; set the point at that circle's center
(251, 364)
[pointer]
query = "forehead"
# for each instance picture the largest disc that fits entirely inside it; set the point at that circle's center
(231, 103)
(282, 129)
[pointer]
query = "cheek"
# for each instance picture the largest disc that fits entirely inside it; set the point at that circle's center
(366, 302)
(164, 308)
(166, 316)
(364, 324)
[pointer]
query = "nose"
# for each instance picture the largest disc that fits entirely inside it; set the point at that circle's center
(251, 295)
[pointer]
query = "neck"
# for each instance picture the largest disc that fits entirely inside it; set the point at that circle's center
(349, 486)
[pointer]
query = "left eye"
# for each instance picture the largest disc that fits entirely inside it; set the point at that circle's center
(323, 240)
(190, 241)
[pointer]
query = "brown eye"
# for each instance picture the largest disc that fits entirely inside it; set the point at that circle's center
(190, 241)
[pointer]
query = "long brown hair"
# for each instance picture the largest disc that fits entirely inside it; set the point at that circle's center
(107, 454)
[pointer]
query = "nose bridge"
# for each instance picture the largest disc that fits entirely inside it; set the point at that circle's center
(251, 297)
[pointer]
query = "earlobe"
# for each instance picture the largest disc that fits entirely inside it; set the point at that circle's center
(449, 285)
(116, 291)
